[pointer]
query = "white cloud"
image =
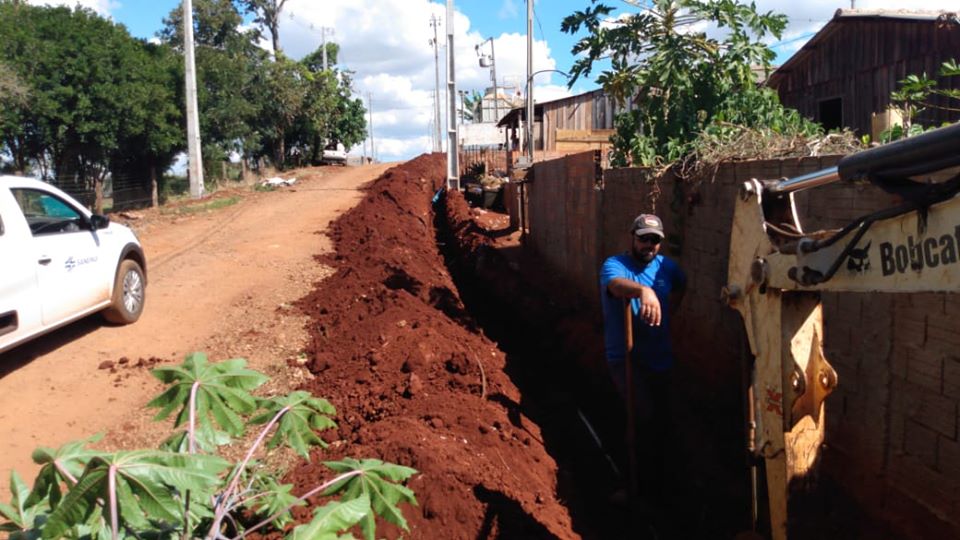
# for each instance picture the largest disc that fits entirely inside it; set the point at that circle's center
(550, 92)
(386, 44)
(808, 17)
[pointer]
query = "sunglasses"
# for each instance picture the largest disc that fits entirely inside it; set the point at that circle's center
(650, 239)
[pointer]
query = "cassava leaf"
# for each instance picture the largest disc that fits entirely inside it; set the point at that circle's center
(378, 482)
(222, 391)
(146, 481)
(207, 440)
(19, 515)
(275, 497)
(71, 457)
(332, 518)
(304, 414)
(79, 502)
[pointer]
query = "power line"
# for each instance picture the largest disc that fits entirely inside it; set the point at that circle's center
(806, 35)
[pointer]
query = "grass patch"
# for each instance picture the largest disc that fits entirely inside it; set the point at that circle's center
(203, 207)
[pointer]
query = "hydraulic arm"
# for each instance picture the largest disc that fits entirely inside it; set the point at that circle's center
(776, 270)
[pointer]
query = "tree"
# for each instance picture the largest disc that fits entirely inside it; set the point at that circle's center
(284, 87)
(314, 60)
(155, 133)
(14, 97)
(676, 78)
(267, 13)
(918, 93)
(330, 113)
(228, 63)
(260, 106)
(472, 103)
(90, 86)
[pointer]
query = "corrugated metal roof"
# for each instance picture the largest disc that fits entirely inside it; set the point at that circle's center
(843, 15)
(520, 111)
(908, 14)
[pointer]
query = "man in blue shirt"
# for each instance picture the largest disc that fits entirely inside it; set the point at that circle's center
(652, 283)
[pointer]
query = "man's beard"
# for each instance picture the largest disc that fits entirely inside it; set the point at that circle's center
(644, 255)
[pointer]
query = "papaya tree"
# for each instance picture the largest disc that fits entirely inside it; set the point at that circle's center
(677, 78)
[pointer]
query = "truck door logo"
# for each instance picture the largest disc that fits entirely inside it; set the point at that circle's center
(70, 264)
(859, 259)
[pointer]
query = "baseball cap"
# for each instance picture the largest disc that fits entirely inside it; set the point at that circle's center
(647, 224)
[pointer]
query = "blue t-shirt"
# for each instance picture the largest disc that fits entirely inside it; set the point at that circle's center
(651, 344)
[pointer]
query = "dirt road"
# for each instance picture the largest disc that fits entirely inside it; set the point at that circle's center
(220, 281)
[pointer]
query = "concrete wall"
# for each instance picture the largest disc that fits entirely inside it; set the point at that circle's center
(893, 422)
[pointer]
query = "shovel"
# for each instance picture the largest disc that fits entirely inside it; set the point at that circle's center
(631, 409)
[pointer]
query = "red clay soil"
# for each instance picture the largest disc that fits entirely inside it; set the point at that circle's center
(416, 382)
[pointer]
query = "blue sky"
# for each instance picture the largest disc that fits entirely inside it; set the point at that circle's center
(385, 44)
(143, 19)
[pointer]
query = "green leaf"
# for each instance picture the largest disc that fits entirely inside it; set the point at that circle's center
(676, 79)
(19, 515)
(222, 391)
(72, 457)
(79, 502)
(275, 497)
(378, 482)
(207, 440)
(303, 414)
(333, 518)
(146, 481)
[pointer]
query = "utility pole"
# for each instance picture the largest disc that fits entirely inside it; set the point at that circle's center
(434, 23)
(194, 164)
(493, 75)
(323, 40)
(492, 64)
(453, 148)
(529, 126)
(373, 155)
(463, 104)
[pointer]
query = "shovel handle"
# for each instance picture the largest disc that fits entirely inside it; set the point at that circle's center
(631, 434)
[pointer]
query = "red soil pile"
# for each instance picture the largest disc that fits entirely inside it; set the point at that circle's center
(414, 379)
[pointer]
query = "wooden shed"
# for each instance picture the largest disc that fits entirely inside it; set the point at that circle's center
(844, 75)
(567, 125)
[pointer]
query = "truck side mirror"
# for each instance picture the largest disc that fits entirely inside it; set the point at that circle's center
(98, 221)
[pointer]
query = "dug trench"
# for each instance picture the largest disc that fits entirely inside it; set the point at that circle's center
(443, 353)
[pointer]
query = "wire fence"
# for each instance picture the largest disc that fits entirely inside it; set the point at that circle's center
(123, 192)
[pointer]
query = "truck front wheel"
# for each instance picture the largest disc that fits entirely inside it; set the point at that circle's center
(128, 294)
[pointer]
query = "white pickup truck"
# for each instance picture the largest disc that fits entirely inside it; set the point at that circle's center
(334, 153)
(59, 262)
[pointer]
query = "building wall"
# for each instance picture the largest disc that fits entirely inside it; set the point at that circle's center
(892, 425)
(861, 61)
(589, 111)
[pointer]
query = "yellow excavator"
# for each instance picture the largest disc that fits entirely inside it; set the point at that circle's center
(777, 270)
